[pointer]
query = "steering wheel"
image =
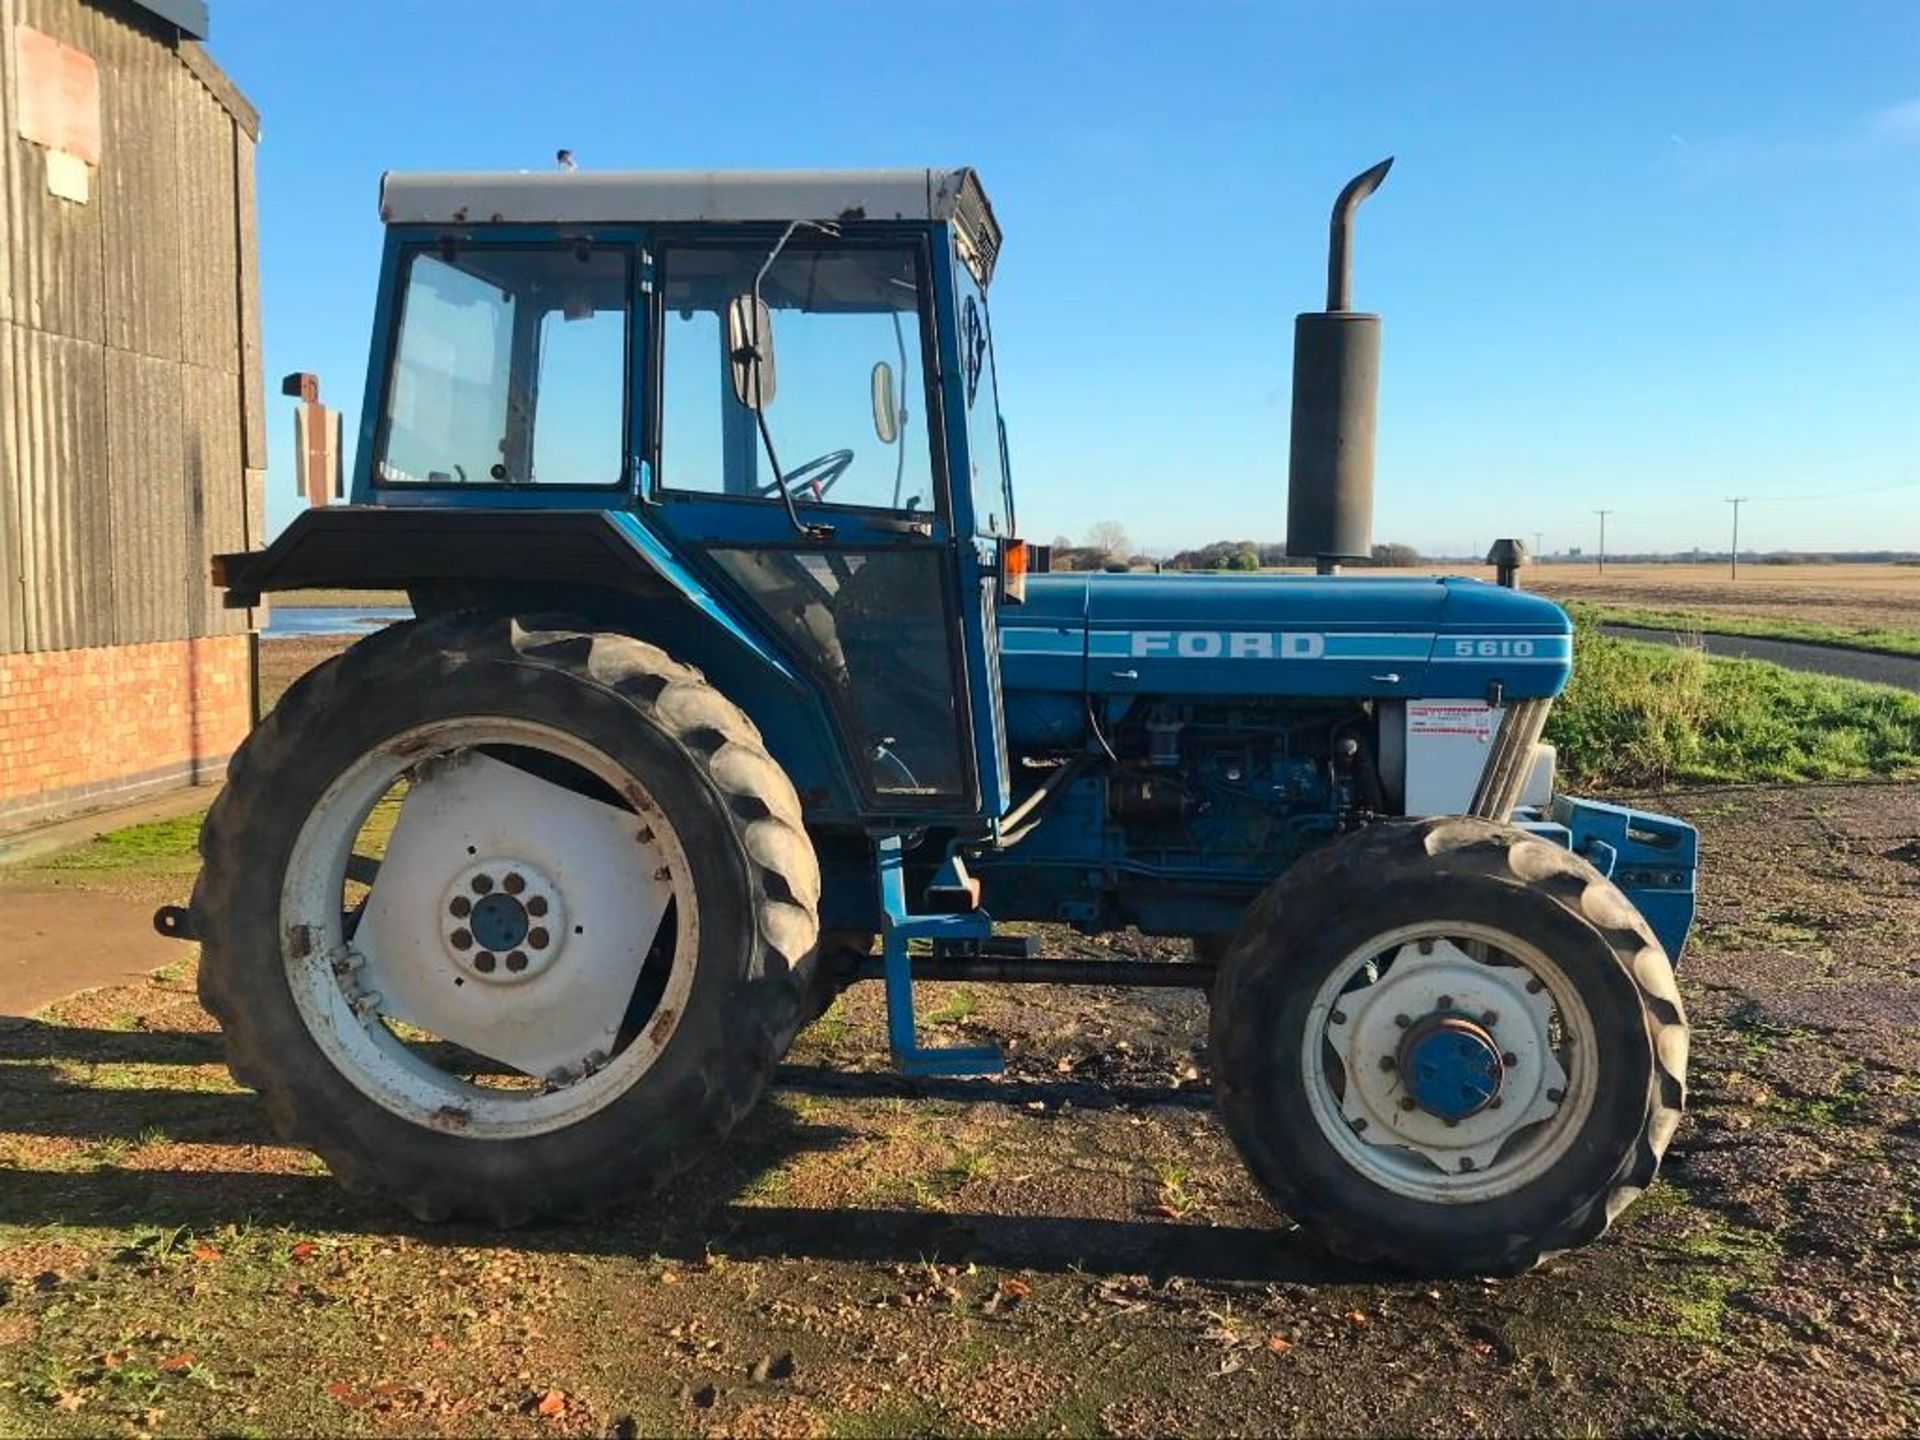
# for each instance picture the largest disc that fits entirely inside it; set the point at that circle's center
(818, 474)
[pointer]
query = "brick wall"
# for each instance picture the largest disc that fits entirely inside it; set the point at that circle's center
(85, 728)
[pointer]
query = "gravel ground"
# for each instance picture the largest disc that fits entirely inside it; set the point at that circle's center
(1072, 1249)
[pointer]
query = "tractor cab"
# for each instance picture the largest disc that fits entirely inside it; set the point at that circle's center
(779, 387)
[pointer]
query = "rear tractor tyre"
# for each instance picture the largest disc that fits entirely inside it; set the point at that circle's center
(505, 919)
(1449, 1047)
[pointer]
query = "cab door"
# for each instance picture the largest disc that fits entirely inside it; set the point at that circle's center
(857, 579)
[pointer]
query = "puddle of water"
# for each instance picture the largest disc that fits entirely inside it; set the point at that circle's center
(289, 621)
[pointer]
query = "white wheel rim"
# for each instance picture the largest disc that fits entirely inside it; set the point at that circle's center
(595, 877)
(1540, 1026)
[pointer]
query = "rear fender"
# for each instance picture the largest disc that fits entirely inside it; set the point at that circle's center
(617, 571)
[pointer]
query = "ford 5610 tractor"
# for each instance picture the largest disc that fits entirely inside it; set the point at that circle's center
(729, 685)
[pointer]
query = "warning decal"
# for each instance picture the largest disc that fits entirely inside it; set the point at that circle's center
(1450, 717)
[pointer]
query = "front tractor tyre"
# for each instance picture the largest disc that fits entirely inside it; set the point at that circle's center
(505, 918)
(1449, 1047)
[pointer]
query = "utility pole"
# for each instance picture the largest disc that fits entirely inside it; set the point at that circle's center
(1539, 543)
(1736, 501)
(1603, 539)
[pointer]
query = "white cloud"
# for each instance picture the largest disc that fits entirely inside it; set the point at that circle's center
(1899, 124)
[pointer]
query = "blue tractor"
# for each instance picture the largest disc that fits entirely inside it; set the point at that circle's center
(729, 685)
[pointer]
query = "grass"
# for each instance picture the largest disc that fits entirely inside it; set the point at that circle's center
(1877, 639)
(161, 847)
(1640, 715)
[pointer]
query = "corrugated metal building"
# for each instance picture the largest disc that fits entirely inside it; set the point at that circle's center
(132, 417)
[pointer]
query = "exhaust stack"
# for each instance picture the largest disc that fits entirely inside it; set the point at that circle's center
(1336, 390)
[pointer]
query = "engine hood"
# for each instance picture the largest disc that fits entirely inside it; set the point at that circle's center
(1283, 634)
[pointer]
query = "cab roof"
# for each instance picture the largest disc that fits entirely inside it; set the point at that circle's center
(698, 196)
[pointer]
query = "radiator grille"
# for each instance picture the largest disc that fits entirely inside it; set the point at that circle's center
(1506, 774)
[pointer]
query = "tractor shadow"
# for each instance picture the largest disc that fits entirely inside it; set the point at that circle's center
(127, 1141)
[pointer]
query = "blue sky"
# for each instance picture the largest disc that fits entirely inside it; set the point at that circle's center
(1641, 256)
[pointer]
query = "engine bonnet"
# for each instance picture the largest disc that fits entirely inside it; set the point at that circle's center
(1283, 635)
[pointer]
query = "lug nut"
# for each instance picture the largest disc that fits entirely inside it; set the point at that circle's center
(1466, 1162)
(1386, 1062)
(1509, 1058)
(514, 883)
(663, 874)
(484, 962)
(538, 937)
(482, 884)
(516, 960)
(1556, 1096)
(1494, 1103)
(1339, 1017)
(1446, 1002)
(459, 907)
(1535, 985)
(537, 906)
(1402, 1021)
(644, 835)
(1452, 1123)
(1359, 1123)
(462, 939)
(1406, 1102)
(1426, 947)
(1492, 1017)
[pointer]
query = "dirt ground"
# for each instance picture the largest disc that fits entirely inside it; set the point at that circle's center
(1072, 1249)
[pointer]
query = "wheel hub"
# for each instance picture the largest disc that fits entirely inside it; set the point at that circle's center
(502, 921)
(1445, 1056)
(1451, 1066)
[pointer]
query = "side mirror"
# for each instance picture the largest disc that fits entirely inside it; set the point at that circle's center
(886, 408)
(750, 351)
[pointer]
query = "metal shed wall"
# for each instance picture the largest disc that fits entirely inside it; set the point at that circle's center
(132, 412)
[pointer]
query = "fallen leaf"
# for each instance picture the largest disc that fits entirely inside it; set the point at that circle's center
(175, 1364)
(1015, 1288)
(1358, 1319)
(205, 1254)
(346, 1395)
(554, 1402)
(69, 1401)
(1164, 1212)
(1482, 1347)
(1279, 1344)
(304, 1251)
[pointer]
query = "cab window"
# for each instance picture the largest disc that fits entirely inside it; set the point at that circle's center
(989, 477)
(846, 328)
(509, 368)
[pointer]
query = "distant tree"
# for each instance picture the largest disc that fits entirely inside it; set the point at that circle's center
(1061, 542)
(1399, 557)
(1109, 537)
(1245, 556)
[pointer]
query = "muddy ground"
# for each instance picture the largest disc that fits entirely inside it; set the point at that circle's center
(1071, 1249)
